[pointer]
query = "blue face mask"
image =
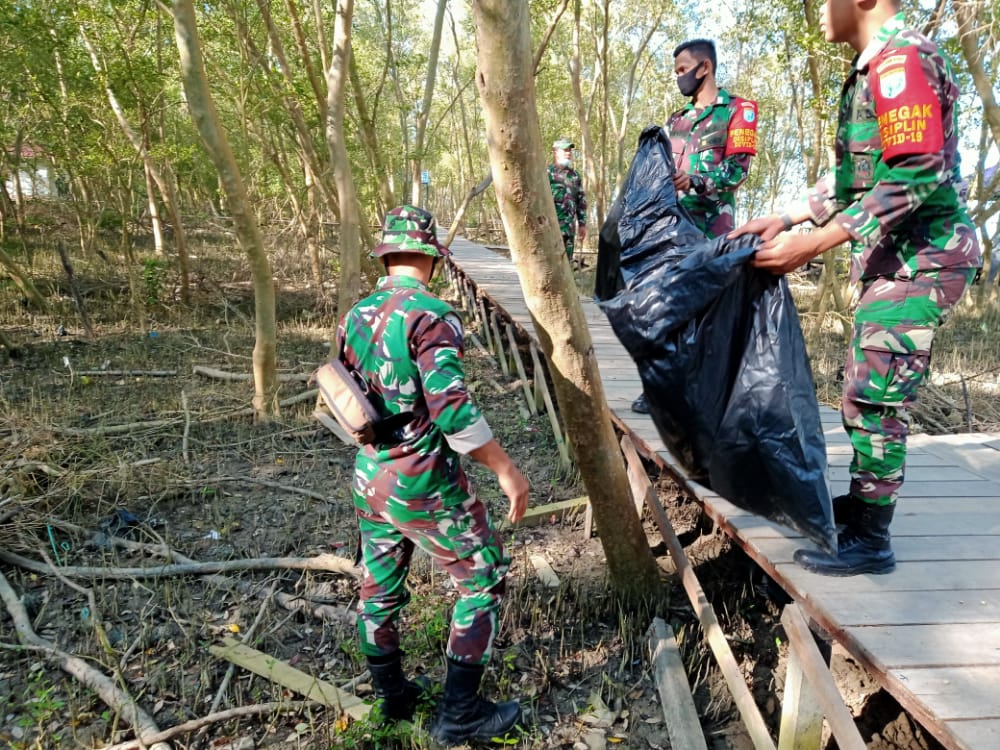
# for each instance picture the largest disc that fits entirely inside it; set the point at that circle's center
(564, 161)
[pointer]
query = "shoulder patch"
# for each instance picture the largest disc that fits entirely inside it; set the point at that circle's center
(906, 104)
(742, 138)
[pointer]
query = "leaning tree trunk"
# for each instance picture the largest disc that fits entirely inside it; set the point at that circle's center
(206, 119)
(507, 89)
(967, 12)
(423, 116)
(165, 184)
(349, 284)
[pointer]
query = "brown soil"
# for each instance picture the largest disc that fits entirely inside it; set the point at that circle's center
(222, 488)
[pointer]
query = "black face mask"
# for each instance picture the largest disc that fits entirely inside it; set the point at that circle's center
(690, 82)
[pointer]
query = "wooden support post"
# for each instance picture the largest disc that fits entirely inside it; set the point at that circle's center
(470, 296)
(529, 396)
(485, 323)
(671, 682)
(498, 340)
(801, 716)
(730, 668)
(803, 709)
(538, 382)
(453, 282)
(632, 464)
(547, 398)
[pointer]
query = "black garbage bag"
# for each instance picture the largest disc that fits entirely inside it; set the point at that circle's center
(719, 349)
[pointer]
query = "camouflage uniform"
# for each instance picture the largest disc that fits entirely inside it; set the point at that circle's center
(571, 203)
(914, 248)
(714, 145)
(414, 492)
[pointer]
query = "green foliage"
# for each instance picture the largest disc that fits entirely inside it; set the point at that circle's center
(56, 101)
(41, 706)
(153, 276)
(426, 629)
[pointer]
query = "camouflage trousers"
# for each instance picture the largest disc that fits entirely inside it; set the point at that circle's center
(569, 242)
(894, 326)
(460, 541)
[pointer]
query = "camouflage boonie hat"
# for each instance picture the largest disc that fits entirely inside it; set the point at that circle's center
(564, 143)
(408, 229)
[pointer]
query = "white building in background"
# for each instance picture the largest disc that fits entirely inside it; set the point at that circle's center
(35, 175)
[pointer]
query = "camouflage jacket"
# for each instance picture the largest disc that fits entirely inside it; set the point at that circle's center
(571, 203)
(714, 145)
(414, 365)
(895, 187)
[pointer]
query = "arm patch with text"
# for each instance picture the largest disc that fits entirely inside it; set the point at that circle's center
(907, 106)
(742, 138)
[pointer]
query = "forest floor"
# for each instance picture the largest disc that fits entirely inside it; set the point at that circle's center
(187, 469)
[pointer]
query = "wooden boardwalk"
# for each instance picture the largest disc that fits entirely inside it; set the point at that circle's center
(930, 631)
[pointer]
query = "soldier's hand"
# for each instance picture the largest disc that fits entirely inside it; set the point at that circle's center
(682, 181)
(581, 232)
(768, 227)
(515, 486)
(786, 253)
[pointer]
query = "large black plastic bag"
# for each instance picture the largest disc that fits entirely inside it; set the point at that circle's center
(719, 349)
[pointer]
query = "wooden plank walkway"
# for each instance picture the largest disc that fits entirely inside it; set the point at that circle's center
(930, 631)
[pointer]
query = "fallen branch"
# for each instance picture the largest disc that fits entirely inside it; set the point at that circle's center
(211, 372)
(215, 718)
(264, 483)
(324, 562)
(113, 696)
(289, 602)
(114, 429)
(121, 429)
(129, 373)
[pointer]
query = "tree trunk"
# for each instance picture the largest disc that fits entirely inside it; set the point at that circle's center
(967, 11)
(423, 115)
(507, 89)
(349, 284)
(369, 139)
(306, 55)
(154, 212)
(165, 184)
(23, 281)
(206, 120)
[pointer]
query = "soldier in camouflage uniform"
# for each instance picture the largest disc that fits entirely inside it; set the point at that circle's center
(568, 195)
(713, 138)
(894, 194)
(412, 491)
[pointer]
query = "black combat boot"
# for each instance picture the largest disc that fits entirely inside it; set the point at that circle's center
(862, 547)
(466, 717)
(398, 696)
(843, 509)
(640, 405)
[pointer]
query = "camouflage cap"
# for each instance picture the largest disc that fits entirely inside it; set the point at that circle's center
(564, 143)
(408, 229)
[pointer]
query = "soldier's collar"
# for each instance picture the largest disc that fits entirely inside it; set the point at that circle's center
(886, 32)
(721, 98)
(400, 282)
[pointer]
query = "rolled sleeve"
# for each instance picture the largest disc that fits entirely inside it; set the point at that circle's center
(823, 204)
(474, 436)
